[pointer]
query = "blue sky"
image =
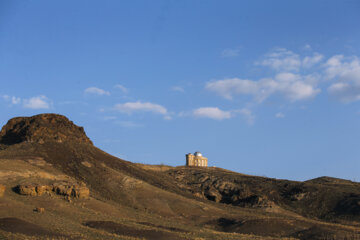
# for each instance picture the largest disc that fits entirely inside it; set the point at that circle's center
(270, 88)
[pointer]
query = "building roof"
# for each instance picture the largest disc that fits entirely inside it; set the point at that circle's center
(198, 154)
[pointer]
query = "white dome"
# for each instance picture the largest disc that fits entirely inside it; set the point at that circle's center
(198, 154)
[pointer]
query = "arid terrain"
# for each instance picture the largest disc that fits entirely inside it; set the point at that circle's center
(55, 184)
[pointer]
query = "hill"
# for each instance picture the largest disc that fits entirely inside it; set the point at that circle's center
(54, 183)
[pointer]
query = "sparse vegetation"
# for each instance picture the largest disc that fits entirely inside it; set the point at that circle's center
(138, 201)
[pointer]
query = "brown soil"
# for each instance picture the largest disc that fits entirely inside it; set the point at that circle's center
(157, 202)
(121, 229)
(15, 225)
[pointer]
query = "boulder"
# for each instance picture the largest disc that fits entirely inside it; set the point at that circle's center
(27, 190)
(63, 189)
(80, 192)
(41, 189)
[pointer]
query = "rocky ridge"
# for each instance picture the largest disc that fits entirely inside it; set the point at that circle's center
(42, 128)
(46, 158)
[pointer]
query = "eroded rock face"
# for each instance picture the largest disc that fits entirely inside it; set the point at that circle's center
(27, 190)
(42, 128)
(69, 190)
(2, 190)
(80, 192)
(222, 188)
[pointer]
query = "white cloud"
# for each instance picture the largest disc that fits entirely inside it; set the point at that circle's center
(296, 87)
(12, 99)
(247, 114)
(230, 52)
(96, 91)
(309, 62)
(122, 88)
(284, 60)
(345, 92)
(228, 87)
(281, 59)
(212, 112)
(39, 102)
(218, 114)
(345, 72)
(346, 69)
(15, 100)
(6, 97)
(138, 106)
(177, 89)
(279, 115)
(292, 86)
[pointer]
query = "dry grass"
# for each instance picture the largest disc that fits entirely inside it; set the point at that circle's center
(134, 194)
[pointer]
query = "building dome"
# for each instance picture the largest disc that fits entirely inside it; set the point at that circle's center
(198, 154)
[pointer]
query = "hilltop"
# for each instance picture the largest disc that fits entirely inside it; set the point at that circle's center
(54, 183)
(42, 128)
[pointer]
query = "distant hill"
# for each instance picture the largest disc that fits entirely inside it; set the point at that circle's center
(54, 183)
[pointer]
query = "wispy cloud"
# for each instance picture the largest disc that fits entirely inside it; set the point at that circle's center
(15, 100)
(310, 61)
(292, 86)
(281, 59)
(38, 102)
(279, 115)
(133, 107)
(288, 81)
(216, 113)
(230, 52)
(247, 114)
(177, 89)
(284, 60)
(211, 112)
(96, 91)
(12, 99)
(121, 88)
(345, 72)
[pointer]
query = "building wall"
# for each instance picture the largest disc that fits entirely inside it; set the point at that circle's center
(192, 160)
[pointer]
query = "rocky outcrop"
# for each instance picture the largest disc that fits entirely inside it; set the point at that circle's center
(2, 190)
(69, 190)
(72, 190)
(222, 187)
(27, 190)
(236, 195)
(39, 210)
(42, 128)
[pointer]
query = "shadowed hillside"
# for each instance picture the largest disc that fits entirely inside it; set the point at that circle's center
(60, 185)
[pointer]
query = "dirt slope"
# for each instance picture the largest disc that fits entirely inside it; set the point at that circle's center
(325, 198)
(134, 201)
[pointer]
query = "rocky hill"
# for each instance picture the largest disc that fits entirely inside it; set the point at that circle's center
(42, 128)
(55, 184)
(324, 198)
